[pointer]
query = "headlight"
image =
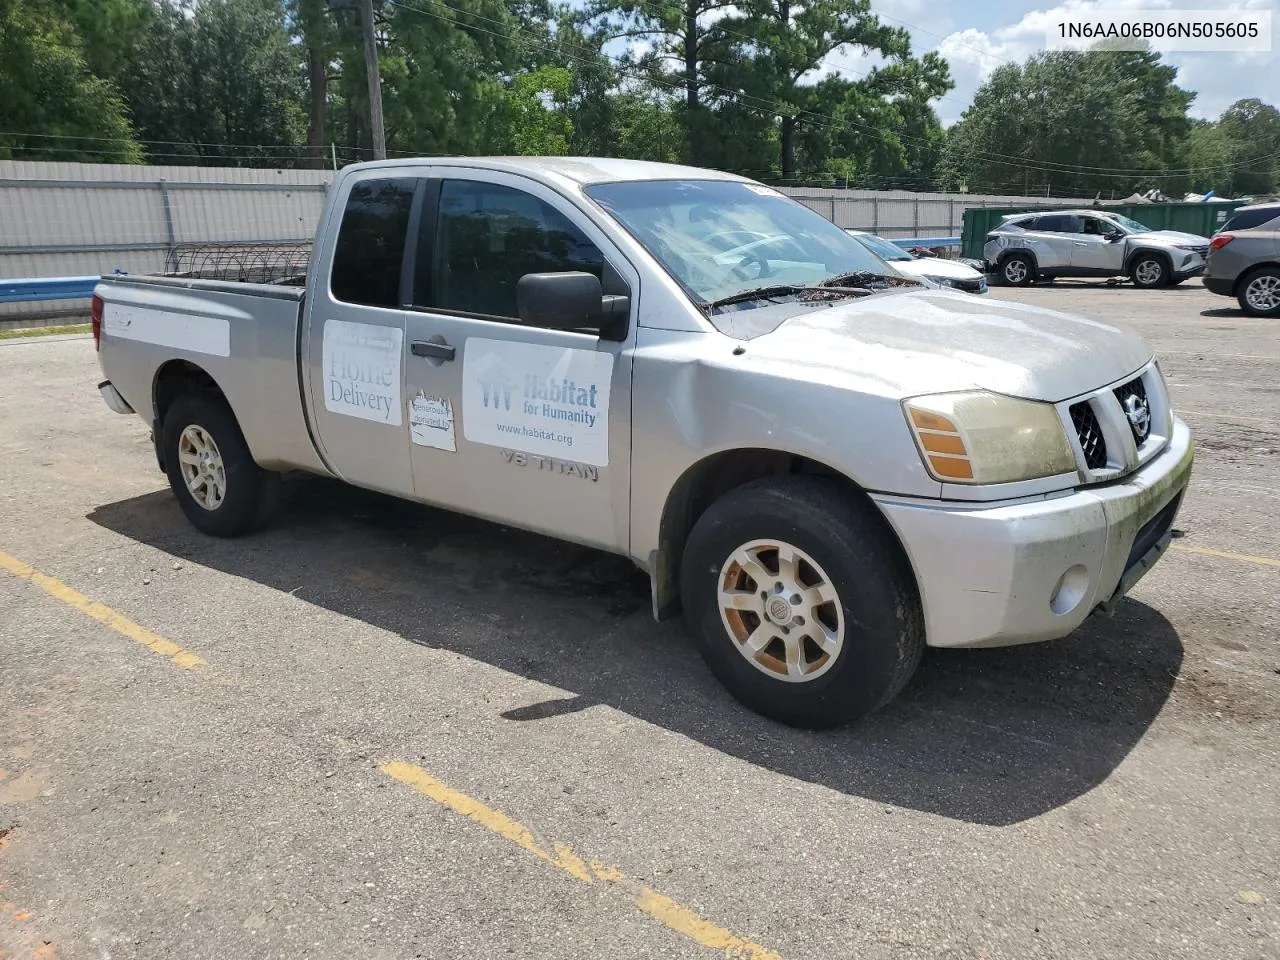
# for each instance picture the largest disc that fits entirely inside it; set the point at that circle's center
(983, 437)
(945, 281)
(1192, 247)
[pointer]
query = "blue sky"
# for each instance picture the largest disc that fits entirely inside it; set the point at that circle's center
(976, 36)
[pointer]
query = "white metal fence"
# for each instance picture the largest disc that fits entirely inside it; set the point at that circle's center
(899, 213)
(82, 219)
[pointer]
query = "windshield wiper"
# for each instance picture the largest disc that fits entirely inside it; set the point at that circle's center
(758, 293)
(861, 283)
(861, 278)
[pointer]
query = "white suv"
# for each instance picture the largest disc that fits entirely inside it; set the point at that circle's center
(1091, 243)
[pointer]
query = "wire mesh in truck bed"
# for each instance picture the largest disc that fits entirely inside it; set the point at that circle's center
(278, 262)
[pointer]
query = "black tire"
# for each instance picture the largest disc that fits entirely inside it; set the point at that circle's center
(883, 622)
(1242, 292)
(251, 492)
(1150, 271)
(1024, 270)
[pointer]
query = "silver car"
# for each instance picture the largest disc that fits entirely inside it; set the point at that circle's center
(1091, 243)
(945, 273)
(1244, 260)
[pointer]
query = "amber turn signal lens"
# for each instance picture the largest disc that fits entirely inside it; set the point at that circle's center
(951, 468)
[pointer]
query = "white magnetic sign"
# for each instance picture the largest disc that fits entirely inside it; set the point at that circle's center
(362, 370)
(552, 401)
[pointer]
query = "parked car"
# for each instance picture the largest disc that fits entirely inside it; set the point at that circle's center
(947, 273)
(826, 466)
(1244, 260)
(1091, 243)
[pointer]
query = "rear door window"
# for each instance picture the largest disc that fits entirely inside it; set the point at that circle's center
(1058, 223)
(370, 248)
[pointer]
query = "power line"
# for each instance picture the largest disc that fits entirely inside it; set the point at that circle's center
(179, 143)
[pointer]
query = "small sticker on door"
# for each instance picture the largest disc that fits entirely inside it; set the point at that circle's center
(431, 422)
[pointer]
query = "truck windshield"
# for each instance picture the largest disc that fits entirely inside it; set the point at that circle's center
(721, 238)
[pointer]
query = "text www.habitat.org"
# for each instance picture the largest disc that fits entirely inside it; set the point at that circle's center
(535, 432)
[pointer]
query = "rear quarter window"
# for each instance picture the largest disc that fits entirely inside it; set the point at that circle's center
(1249, 219)
(370, 247)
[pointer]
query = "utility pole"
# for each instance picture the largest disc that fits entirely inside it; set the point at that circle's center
(375, 81)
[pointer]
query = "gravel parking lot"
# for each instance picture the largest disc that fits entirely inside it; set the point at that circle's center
(382, 731)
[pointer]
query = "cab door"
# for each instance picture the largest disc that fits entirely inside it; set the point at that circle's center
(513, 422)
(354, 342)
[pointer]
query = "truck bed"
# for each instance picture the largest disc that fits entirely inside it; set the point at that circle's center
(245, 336)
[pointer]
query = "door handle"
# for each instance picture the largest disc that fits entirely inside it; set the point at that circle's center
(1081, 243)
(436, 351)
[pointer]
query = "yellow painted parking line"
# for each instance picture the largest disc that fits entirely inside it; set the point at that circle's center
(662, 908)
(102, 613)
(1224, 555)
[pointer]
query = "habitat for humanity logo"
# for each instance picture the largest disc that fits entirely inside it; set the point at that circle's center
(552, 398)
(497, 391)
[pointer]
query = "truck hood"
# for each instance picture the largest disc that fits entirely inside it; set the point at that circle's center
(934, 341)
(1170, 238)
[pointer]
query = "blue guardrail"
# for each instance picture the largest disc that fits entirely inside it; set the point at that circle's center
(47, 288)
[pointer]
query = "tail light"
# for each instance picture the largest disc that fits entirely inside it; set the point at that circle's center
(1221, 240)
(95, 318)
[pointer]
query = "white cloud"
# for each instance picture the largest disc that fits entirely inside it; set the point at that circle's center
(1218, 79)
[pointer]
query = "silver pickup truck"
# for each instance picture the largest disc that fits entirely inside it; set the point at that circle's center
(825, 465)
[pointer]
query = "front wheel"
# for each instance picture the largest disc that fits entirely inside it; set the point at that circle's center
(1149, 271)
(801, 601)
(1259, 294)
(220, 488)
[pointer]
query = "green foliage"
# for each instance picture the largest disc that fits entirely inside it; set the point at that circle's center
(1252, 129)
(51, 106)
(536, 113)
(1076, 123)
(743, 85)
(1209, 156)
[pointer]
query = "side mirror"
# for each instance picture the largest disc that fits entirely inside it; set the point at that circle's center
(1115, 237)
(571, 301)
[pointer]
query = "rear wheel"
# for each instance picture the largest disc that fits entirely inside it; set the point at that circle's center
(1018, 270)
(220, 488)
(1149, 270)
(801, 601)
(1259, 293)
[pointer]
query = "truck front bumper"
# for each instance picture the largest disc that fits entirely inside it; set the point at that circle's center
(994, 575)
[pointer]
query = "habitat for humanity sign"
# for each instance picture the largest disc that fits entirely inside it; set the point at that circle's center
(552, 401)
(362, 370)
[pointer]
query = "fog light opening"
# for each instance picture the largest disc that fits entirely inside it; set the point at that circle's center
(1069, 590)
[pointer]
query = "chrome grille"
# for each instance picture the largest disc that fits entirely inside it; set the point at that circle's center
(1202, 251)
(1137, 409)
(1090, 433)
